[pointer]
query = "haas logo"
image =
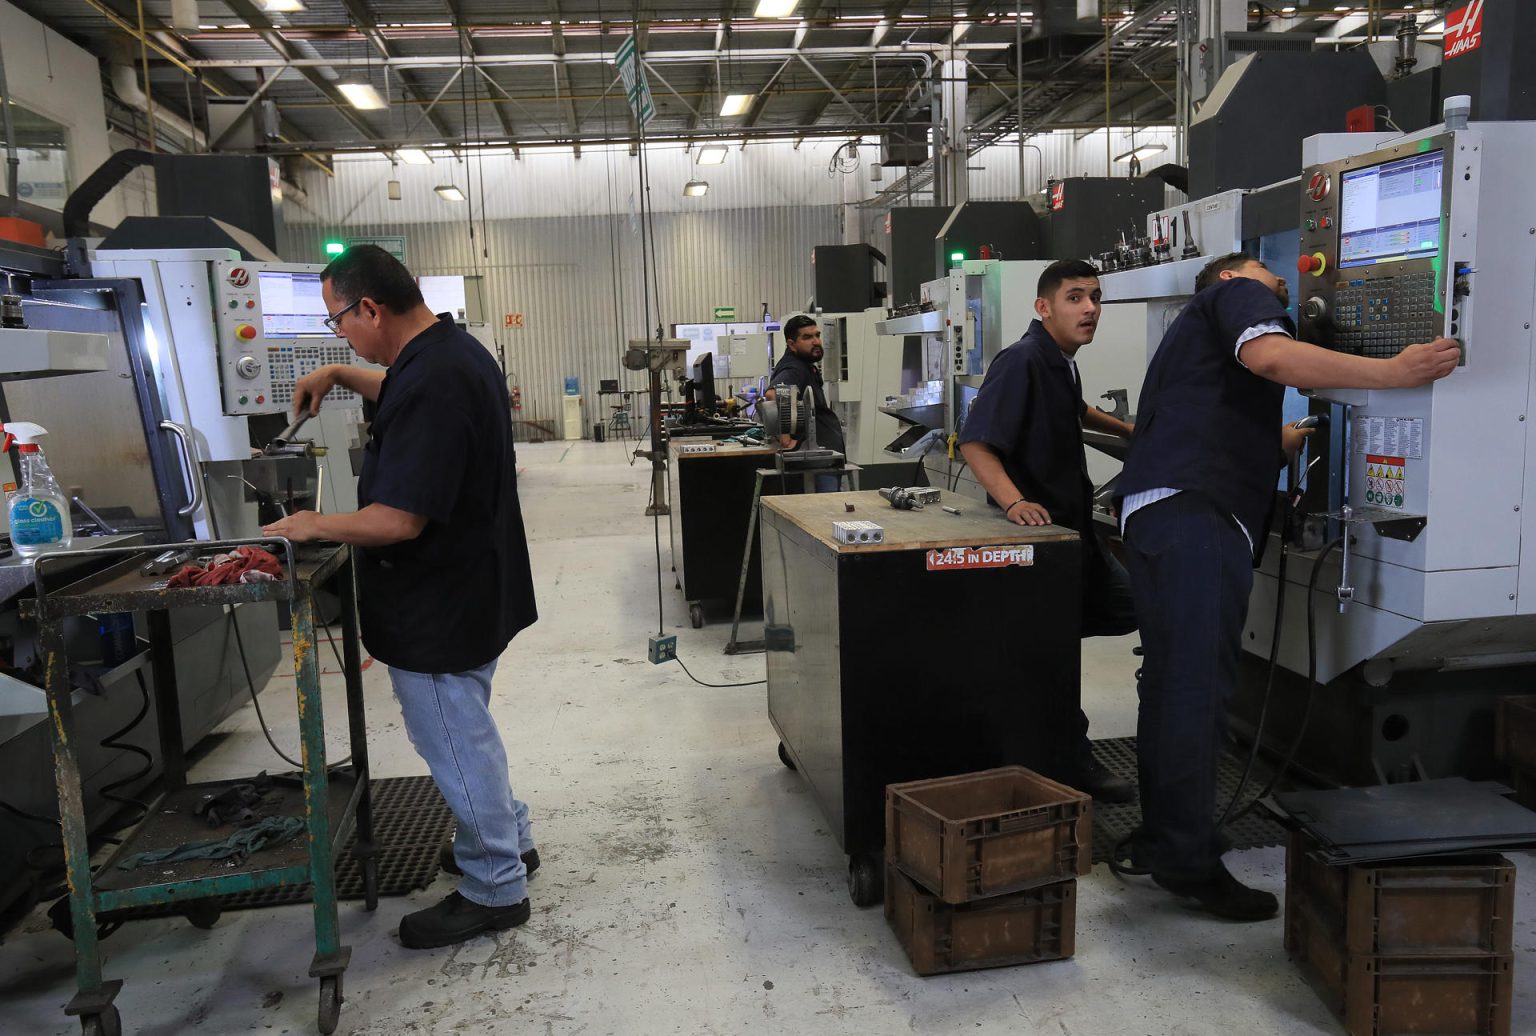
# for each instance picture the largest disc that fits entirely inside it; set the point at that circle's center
(239, 277)
(1464, 30)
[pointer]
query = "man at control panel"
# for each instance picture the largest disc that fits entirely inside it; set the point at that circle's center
(1195, 500)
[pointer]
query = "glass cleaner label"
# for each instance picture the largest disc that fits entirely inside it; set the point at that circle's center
(35, 521)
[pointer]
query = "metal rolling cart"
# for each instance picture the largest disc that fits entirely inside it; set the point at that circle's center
(328, 803)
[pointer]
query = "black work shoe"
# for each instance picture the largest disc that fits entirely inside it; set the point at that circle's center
(1223, 895)
(456, 919)
(447, 861)
(1104, 784)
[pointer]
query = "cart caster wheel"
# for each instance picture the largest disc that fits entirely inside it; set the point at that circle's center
(330, 1003)
(696, 615)
(203, 913)
(786, 758)
(371, 883)
(866, 885)
(107, 1023)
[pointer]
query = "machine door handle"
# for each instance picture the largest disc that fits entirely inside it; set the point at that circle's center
(193, 478)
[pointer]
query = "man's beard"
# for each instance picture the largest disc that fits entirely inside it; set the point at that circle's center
(1283, 293)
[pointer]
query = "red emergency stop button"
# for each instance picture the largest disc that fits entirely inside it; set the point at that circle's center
(245, 331)
(1314, 264)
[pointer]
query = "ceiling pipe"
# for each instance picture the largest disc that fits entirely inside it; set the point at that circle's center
(125, 84)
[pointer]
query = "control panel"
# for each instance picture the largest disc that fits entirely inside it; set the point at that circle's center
(1374, 270)
(271, 329)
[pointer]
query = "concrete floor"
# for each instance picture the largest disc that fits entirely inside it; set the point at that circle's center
(689, 884)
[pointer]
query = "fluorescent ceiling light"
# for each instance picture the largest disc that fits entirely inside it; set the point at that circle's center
(413, 156)
(448, 192)
(695, 188)
(282, 6)
(712, 154)
(1145, 151)
(361, 96)
(736, 104)
(775, 8)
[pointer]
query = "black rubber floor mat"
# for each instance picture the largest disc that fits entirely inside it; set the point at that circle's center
(1111, 822)
(410, 822)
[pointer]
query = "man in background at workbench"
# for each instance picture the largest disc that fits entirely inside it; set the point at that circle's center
(801, 366)
(442, 566)
(1197, 494)
(1023, 439)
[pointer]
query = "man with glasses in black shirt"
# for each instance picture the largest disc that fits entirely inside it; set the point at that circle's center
(444, 582)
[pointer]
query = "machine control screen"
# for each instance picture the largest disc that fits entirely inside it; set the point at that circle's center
(291, 305)
(1391, 212)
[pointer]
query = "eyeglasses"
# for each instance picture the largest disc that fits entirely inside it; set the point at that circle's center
(334, 320)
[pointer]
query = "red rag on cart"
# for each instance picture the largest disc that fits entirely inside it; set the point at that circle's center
(235, 565)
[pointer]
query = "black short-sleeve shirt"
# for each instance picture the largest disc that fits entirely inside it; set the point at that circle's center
(796, 370)
(440, 446)
(1030, 410)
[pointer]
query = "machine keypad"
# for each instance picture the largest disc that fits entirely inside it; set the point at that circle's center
(288, 363)
(1380, 316)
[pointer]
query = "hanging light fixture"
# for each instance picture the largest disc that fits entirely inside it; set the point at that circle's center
(712, 154)
(362, 96)
(448, 192)
(413, 156)
(695, 188)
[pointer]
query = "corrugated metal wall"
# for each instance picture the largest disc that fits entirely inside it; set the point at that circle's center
(561, 244)
(577, 281)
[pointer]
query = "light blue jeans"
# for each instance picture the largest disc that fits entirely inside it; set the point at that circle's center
(448, 718)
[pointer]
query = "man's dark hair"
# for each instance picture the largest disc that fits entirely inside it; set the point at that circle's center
(1218, 266)
(794, 325)
(367, 271)
(1063, 270)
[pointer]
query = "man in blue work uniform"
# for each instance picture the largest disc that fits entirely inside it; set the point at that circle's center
(1023, 440)
(1196, 497)
(800, 366)
(443, 576)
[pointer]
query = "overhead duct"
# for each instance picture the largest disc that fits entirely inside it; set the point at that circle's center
(126, 85)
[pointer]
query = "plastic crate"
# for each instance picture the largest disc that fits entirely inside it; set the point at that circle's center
(1429, 906)
(989, 833)
(1026, 927)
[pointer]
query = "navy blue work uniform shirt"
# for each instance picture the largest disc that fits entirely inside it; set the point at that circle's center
(1030, 410)
(796, 370)
(1205, 423)
(440, 446)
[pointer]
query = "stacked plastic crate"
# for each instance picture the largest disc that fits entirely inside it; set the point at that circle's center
(1422, 945)
(981, 869)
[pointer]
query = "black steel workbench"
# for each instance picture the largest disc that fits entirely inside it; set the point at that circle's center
(952, 647)
(710, 512)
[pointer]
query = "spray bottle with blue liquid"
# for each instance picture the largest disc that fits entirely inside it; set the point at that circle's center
(37, 507)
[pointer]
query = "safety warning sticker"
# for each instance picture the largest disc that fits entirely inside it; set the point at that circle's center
(954, 559)
(1390, 436)
(1385, 480)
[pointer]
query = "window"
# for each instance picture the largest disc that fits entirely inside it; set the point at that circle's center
(42, 145)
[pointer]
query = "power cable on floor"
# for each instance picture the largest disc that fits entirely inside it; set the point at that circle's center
(701, 683)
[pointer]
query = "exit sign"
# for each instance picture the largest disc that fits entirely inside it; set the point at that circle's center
(725, 312)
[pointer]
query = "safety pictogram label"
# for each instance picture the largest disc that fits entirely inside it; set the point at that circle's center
(1386, 483)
